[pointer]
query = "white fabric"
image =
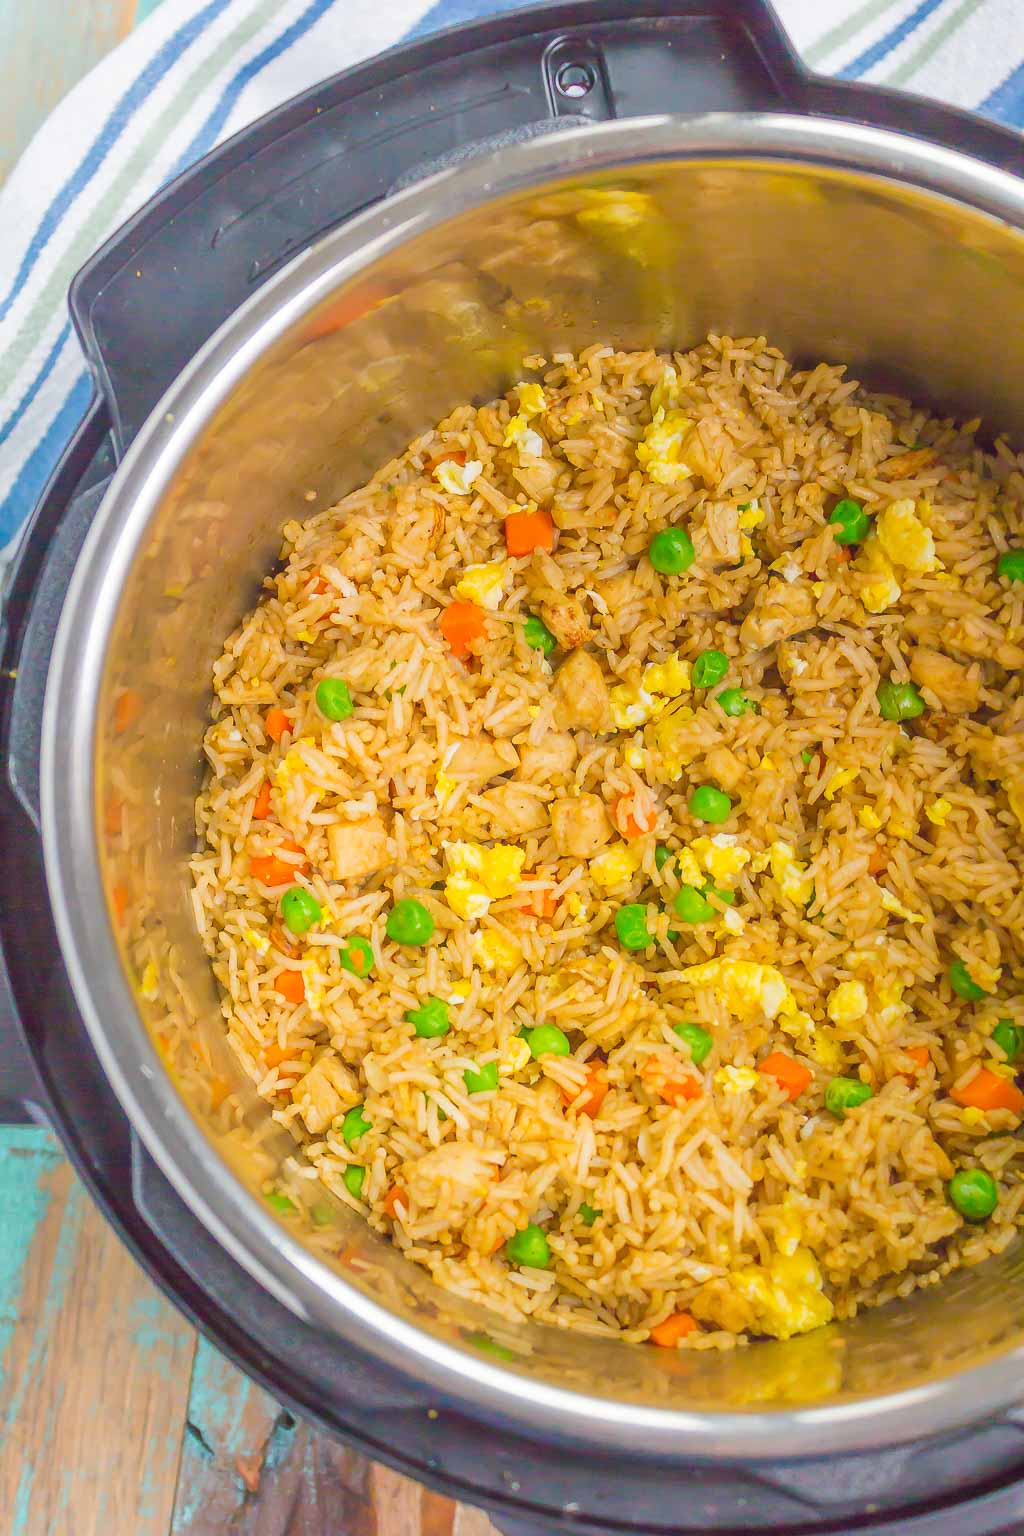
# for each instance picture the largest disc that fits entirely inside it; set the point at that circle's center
(195, 71)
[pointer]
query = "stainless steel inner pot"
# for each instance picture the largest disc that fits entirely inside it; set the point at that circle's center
(834, 240)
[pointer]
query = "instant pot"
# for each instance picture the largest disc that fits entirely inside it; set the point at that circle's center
(273, 326)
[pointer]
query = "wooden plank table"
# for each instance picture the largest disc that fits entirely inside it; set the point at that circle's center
(115, 1420)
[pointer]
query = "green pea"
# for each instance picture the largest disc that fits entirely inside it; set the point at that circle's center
(547, 1040)
(807, 757)
(353, 1178)
(709, 668)
(430, 1018)
(354, 1125)
(689, 904)
(334, 699)
(322, 1214)
(1010, 1038)
(727, 898)
(483, 1081)
(671, 551)
(409, 922)
(537, 635)
(963, 986)
(974, 1193)
(631, 926)
(356, 955)
(899, 701)
(587, 1214)
(528, 1248)
(845, 1093)
(661, 857)
(707, 803)
(850, 521)
(1011, 565)
(699, 1041)
(735, 702)
(279, 1202)
(300, 910)
(490, 1346)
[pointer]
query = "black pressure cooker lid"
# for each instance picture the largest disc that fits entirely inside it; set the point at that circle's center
(142, 307)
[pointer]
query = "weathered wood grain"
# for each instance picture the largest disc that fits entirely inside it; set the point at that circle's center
(46, 49)
(94, 1364)
(248, 1468)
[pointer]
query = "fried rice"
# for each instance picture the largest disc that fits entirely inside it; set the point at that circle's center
(589, 1076)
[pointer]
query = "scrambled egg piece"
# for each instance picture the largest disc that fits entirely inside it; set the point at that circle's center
(839, 780)
(634, 755)
(880, 593)
(315, 984)
(632, 705)
(455, 478)
(869, 819)
(787, 1296)
(687, 868)
(789, 1226)
(532, 402)
(939, 811)
(257, 941)
(660, 449)
(615, 866)
(905, 538)
(847, 1002)
(306, 636)
(668, 678)
(825, 1049)
(891, 903)
(731, 921)
(477, 876)
(733, 1080)
(635, 703)
(577, 907)
(971, 1116)
(517, 1054)
(459, 992)
(149, 985)
(889, 1004)
(292, 763)
(665, 394)
(790, 875)
(719, 856)
(495, 951)
(483, 584)
(750, 517)
(746, 986)
(444, 786)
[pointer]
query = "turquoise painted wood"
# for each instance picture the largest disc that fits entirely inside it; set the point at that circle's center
(94, 1364)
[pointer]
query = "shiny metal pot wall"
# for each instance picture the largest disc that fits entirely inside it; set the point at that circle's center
(833, 240)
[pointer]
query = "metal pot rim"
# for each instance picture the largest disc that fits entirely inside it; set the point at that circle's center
(234, 1218)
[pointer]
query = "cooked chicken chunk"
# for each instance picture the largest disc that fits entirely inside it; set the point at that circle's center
(580, 825)
(724, 767)
(553, 757)
(781, 609)
(565, 618)
(582, 694)
(323, 1093)
(482, 759)
(514, 811)
(954, 685)
(358, 848)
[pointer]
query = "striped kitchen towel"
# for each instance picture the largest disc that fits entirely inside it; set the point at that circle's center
(196, 71)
